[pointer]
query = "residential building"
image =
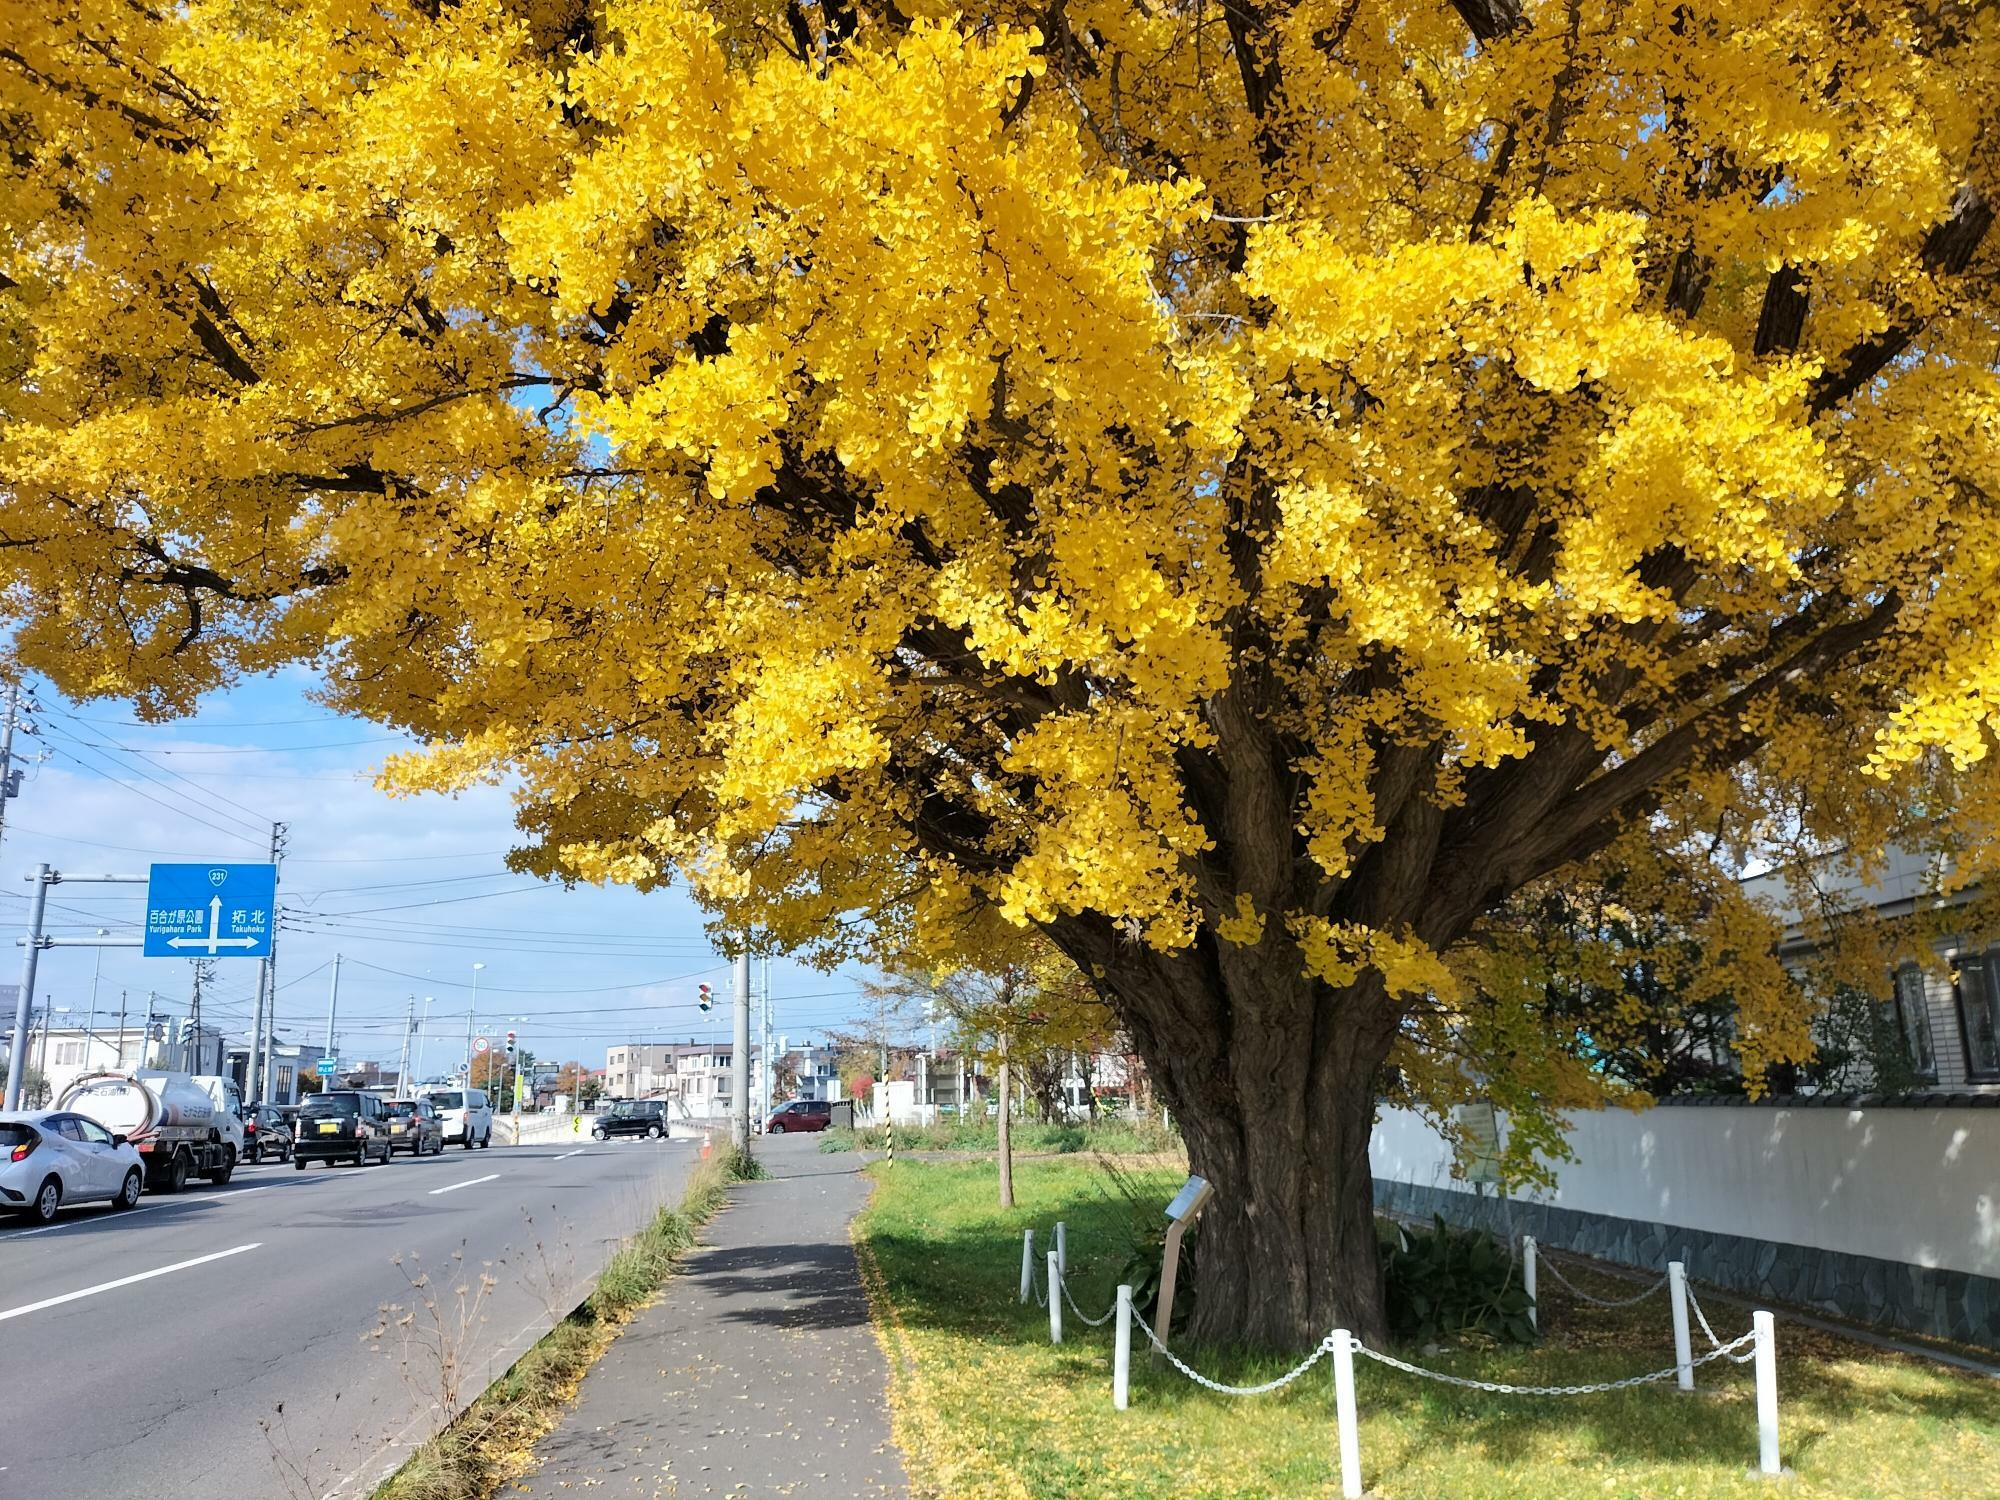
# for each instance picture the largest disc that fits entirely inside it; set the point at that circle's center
(1946, 1013)
(696, 1076)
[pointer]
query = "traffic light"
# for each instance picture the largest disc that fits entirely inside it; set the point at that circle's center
(510, 1041)
(707, 997)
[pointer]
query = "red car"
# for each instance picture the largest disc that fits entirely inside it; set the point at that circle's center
(800, 1114)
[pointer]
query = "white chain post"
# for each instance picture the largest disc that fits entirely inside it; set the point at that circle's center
(1343, 1407)
(1055, 1299)
(1765, 1328)
(1062, 1246)
(1027, 1263)
(1677, 1292)
(1121, 1353)
(1528, 1281)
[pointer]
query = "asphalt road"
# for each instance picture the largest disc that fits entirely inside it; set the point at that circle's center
(148, 1353)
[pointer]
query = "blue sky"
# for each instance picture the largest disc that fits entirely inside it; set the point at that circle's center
(410, 892)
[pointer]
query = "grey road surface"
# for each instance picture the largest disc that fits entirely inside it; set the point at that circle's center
(149, 1352)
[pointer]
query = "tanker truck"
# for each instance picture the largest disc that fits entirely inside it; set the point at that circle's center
(175, 1122)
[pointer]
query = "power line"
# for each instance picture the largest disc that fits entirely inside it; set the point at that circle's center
(109, 770)
(406, 928)
(380, 739)
(401, 885)
(384, 859)
(233, 724)
(501, 989)
(441, 901)
(140, 755)
(66, 838)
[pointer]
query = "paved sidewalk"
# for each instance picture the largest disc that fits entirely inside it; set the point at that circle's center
(756, 1374)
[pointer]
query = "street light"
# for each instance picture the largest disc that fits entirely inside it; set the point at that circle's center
(90, 1026)
(468, 1023)
(422, 1037)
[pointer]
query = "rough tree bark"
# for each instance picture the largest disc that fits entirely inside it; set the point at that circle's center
(1272, 1077)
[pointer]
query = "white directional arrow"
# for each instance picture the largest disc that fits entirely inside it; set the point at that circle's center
(214, 941)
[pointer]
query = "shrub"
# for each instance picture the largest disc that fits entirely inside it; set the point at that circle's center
(1446, 1281)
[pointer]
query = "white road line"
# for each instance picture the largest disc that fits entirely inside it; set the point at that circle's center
(469, 1182)
(568, 1154)
(112, 1286)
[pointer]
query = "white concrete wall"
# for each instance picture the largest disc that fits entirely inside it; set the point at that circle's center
(1919, 1185)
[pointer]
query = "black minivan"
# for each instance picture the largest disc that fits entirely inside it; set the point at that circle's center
(341, 1125)
(647, 1117)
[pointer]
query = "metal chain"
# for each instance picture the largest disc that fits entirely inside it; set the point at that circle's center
(1556, 1271)
(1088, 1320)
(1325, 1348)
(1548, 1390)
(1036, 1277)
(1702, 1318)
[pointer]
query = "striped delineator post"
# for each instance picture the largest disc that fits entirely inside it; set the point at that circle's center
(1343, 1408)
(892, 1143)
(1055, 1299)
(1027, 1263)
(1528, 1281)
(1677, 1295)
(1121, 1353)
(1766, 1349)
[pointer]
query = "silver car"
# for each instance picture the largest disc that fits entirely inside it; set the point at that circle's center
(49, 1157)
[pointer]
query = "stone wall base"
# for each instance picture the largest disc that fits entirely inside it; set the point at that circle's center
(1882, 1293)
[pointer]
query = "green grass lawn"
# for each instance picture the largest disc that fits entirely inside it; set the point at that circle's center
(986, 1406)
(1115, 1137)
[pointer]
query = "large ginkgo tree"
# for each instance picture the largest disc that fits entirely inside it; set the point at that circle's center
(1242, 488)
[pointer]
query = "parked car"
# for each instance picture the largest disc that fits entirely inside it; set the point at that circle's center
(800, 1114)
(467, 1116)
(342, 1125)
(49, 1157)
(414, 1127)
(265, 1133)
(647, 1117)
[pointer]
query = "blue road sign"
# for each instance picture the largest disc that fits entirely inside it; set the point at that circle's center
(211, 911)
(327, 1066)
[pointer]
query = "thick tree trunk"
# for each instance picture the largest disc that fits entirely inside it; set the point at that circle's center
(1287, 1248)
(1272, 1077)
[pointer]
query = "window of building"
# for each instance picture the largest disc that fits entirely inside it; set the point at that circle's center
(1976, 993)
(1913, 1021)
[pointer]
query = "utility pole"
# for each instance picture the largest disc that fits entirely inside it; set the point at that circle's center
(332, 1006)
(17, 1055)
(739, 1061)
(10, 779)
(96, 973)
(468, 1023)
(767, 1073)
(403, 1062)
(259, 1079)
(119, 1062)
(204, 970)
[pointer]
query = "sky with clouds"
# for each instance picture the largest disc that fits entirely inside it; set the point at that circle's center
(410, 892)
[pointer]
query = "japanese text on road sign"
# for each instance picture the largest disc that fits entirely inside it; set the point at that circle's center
(210, 911)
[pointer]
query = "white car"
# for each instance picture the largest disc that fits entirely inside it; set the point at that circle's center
(49, 1157)
(467, 1115)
